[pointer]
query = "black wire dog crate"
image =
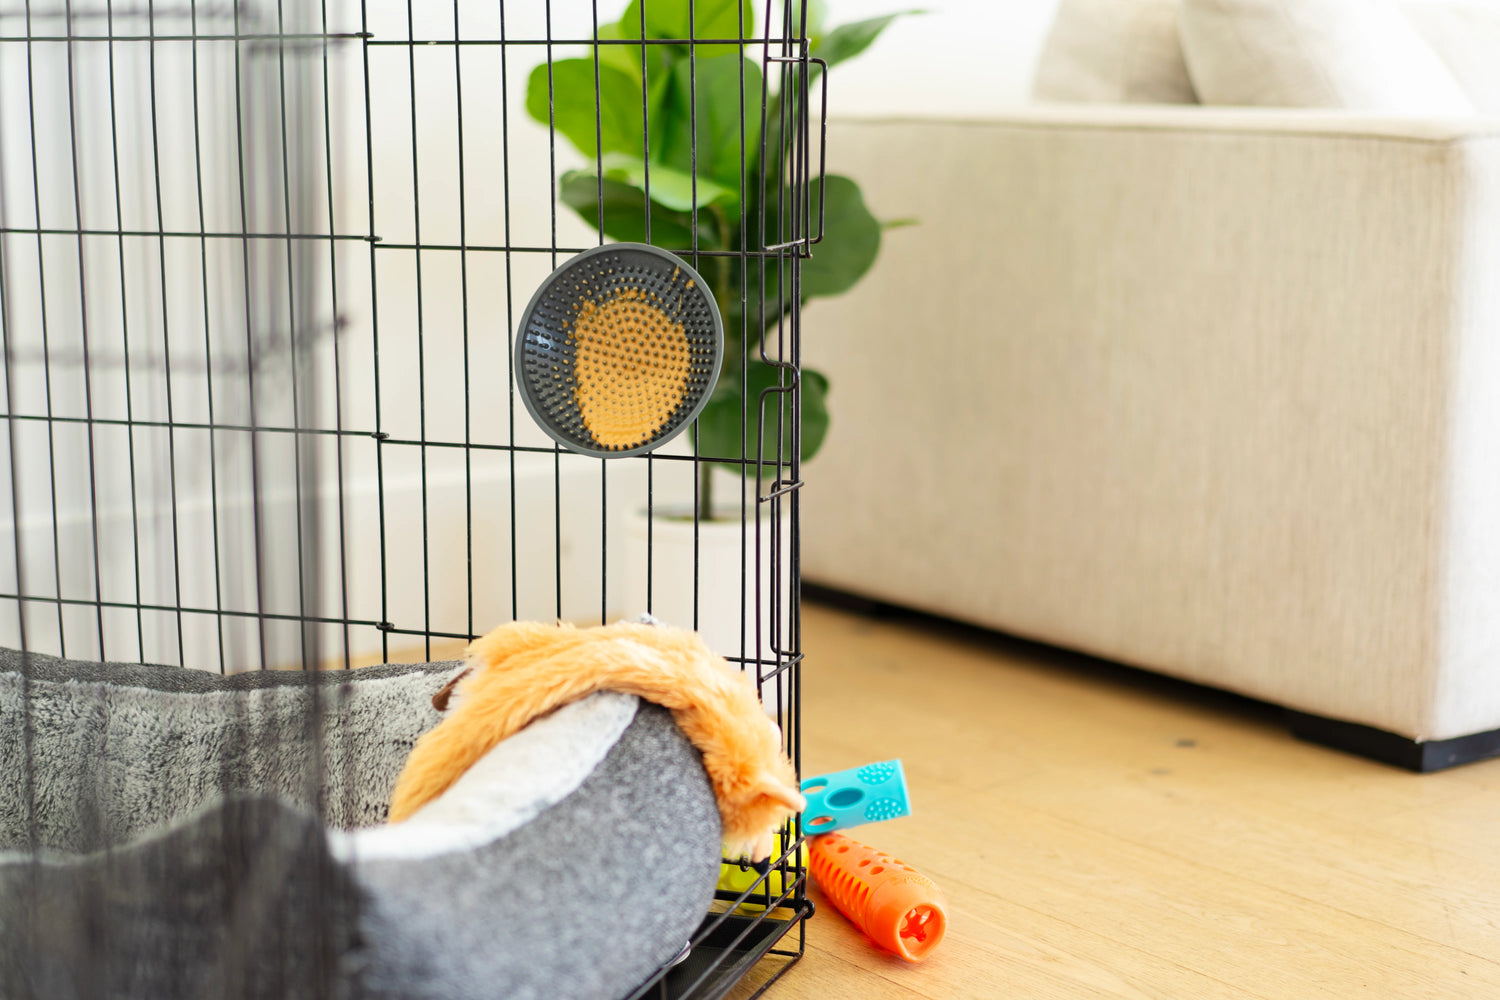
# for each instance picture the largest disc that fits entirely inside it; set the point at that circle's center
(261, 267)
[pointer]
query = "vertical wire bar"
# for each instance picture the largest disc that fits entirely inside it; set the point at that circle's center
(41, 271)
(761, 527)
(599, 205)
(28, 722)
(510, 322)
(763, 170)
(238, 736)
(166, 339)
(13, 444)
(303, 464)
(379, 434)
(768, 630)
(745, 505)
(342, 692)
(646, 189)
(768, 527)
(294, 335)
(765, 604)
(793, 611)
(208, 350)
(83, 331)
(793, 572)
(97, 932)
(338, 375)
(255, 480)
(693, 252)
(768, 604)
(552, 203)
(416, 198)
(748, 663)
(784, 433)
(463, 297)
(304, 325)
(645, 122)
(744, 298)
(207, 327)
(793, 728)
(135, 514)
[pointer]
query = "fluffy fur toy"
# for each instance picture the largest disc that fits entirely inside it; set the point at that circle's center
(523, 670)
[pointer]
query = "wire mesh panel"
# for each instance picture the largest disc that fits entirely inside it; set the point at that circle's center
(261, 271)
(161, 333)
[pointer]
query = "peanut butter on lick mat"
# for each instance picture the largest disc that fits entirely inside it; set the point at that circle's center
(628, 337)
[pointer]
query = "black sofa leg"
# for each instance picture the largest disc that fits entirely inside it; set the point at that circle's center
(1389, 748)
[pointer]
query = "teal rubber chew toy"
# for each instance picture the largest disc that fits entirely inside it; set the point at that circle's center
(866, 794)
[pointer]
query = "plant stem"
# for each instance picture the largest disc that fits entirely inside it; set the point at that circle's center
(706, 491)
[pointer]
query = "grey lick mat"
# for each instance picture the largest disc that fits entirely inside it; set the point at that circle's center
(151, 881)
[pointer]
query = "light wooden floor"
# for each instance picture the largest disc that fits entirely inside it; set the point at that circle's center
(1100, 833)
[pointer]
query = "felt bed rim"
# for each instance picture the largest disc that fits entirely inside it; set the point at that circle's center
(190, 680)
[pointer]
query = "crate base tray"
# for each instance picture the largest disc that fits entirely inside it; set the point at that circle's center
(724, 957)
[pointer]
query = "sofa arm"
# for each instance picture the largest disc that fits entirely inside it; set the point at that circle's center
(1210, 391)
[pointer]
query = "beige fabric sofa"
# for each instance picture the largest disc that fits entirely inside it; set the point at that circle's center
(1214, 392)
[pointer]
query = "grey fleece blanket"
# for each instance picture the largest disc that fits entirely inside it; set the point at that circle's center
(158, 839)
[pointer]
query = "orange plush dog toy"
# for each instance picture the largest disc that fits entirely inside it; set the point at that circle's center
(523, 670)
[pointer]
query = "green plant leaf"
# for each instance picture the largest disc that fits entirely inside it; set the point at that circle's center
(672, 189)
(709, 19)
(849, 40)
(850, 244)
(696, 156)
(570, 105)
(851, 239)
(817, 16)
(815, 418)
(763, 313)
(707, 92)
(625, 213)
(625, 58)
(737, 407)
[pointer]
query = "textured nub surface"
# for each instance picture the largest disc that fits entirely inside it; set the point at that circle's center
(632, 365)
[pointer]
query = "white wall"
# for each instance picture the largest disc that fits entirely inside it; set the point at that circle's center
(963, 57)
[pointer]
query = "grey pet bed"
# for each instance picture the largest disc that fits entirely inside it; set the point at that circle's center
(572, 862)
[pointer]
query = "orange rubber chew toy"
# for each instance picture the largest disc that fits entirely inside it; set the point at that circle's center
(901, 909)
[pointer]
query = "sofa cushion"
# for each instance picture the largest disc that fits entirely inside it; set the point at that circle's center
(1115, 52)
(1354, 54)
(1466, 35)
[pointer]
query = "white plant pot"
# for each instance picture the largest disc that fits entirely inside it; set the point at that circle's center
(733, 562)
